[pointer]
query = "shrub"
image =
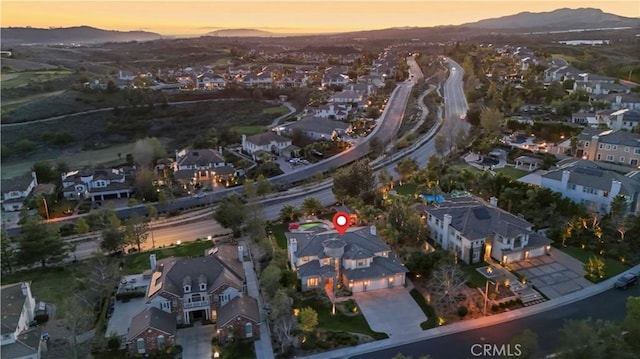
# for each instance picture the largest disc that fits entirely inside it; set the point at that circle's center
(41, 318)
(462, 311)
(113, 343)
(495, 308)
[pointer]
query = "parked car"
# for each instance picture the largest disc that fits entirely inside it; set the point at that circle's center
(626, 280)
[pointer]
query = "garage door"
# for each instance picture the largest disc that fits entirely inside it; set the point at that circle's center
(514, 257)
(357, 287)
(536, 252)
(377, 284)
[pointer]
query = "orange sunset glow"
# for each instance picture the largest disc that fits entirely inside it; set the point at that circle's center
(198, 17)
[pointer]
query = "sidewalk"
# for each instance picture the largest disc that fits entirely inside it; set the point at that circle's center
(471, 324)
(263, 347)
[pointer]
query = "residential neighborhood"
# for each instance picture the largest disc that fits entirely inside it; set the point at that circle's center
(254, 191)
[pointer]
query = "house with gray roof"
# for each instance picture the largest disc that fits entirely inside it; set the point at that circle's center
(195, 288)
(473, 230)
(240, 317)
(319, 128)
(151, 329)
(271, 141)
(202, 165)
(19, 341)
(359, 259)
(16, 189)
(621, 147)
(96, 184)
(592, 185)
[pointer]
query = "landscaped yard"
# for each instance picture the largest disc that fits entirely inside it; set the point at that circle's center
(50, 285)
(432, 318)
(406, 189)
(511, 172)
(612, 267)
(474, 278)
(339, 321)
(278, 110)
(278, 231)
(139, 262)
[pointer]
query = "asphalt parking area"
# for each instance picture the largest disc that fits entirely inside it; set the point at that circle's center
(392, 311)
(123, 312)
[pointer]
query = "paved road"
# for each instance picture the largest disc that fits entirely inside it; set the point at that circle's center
(609, 305)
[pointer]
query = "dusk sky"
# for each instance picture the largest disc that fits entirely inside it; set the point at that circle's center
(300, 16)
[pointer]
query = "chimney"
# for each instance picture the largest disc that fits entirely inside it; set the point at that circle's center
(446, 222)
(26, 291)
(35, 178)
(278, 131)
(373, 230)
(152, 261)
(615, 188)
(244, 141)
(493, 201)
(220, 149)
(565, 179)
(241, 254)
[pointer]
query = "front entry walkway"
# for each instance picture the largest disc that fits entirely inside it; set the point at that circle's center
(196, 341)
(392, 311)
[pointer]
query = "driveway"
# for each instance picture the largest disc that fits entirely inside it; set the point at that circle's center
(554, 275)
(392, 311)
(196, 341)
(122, 314)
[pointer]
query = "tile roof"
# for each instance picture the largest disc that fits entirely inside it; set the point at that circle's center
(590, 174)
(19, 183)
(152, 317)
(27, 343)
(200, 157)
(624, 138)
(12, 303)
(380, 267)
(266, 138)
(242, 305)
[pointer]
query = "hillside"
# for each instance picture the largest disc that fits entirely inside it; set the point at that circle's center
(69, 35)
(557, 20)
(241, 33)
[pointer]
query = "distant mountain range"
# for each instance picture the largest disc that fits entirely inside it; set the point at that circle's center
(561, 19)
(243, 33)
(68, 35)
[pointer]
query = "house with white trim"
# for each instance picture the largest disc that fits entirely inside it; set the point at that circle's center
(96, 184)
(20, 340)
(15, 190)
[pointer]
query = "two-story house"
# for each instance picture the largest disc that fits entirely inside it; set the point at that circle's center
(271, 142)
(19, 341)
(333, 111)
(16, 189)
(151, 329)
(359, 259)
(194, 288)
(210, 81)
(612, 146)
(202, 165)
(592, 185)
(473, 230)
(96, 184)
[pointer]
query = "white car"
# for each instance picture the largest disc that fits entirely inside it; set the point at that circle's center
(199, 195)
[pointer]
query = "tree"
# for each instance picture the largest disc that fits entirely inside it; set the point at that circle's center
(136, 231)
(263, 186)
(461, 139)
(7, 252)
(356, 180)
(270, 279)
(595, 268)
(308, 319)
(282, 317)
(311, 206)
(527, 341)
(376, 147)
(632, 323)
(288, 213)
(440, 144)
(491, 120)
(406, 167)
(45, 173)
(449, 282)
(280, 304)
(41, 242)
(230, 213)
(113, 240)
(385, 179)
(589, 339)
(82, 227)
(618, 213)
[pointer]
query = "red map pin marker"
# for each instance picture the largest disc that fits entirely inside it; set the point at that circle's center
(341, 222)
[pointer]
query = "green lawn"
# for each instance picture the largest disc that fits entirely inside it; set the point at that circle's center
(23, 78)
(139, 262)
(511, 172)
(406, 189)
(432, 318)
(474, 278)
(248, 130)
(278, 231)
(48, 284)
(339, 321)
(463, 166)
(612, 267)
(278, 110)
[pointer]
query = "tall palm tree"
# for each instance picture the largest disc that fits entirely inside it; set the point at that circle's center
(311, 206)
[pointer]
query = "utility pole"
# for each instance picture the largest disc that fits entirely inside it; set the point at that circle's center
(486, 293)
